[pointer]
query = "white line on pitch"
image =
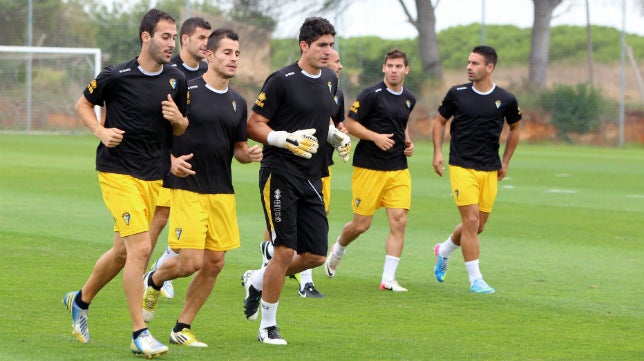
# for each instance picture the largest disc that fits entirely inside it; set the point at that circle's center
(564, 191)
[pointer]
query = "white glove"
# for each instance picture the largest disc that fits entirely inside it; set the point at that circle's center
(340, 141)
(301, 142)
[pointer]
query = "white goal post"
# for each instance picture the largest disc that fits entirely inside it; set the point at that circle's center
(27, 54)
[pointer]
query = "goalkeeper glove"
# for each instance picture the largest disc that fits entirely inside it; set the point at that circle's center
(301, 142)
(340, 141)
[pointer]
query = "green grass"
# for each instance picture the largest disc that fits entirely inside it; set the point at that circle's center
(563, 248)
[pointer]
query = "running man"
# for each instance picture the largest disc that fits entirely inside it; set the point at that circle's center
(193, 37)
(478, 110)
(381, 177)
(306, 286)
(203, 216)
(293, 111)
(145, 100)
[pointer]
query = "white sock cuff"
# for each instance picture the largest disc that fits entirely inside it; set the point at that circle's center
(338, 248)
(170, 252)
(257, 279)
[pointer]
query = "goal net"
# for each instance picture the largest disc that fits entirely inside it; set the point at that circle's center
(41, 86)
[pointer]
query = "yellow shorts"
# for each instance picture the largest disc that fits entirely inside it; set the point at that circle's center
(471, 186)
(326, 191)
(203, 221)
(372, 189)
(164, 197)
(130, 200)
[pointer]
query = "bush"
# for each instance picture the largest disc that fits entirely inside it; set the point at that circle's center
(575, 109)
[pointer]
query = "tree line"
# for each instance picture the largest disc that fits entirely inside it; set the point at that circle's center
(95, 23)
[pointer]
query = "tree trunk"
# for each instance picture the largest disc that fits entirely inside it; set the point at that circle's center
(425, 24)
(540, 42)
(428, 41)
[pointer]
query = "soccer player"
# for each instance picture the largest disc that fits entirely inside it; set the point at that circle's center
(306, 286)
(203, 216)
(193, 37)
(145, 100)
(293, 111)
(479, 109)
(381, 177)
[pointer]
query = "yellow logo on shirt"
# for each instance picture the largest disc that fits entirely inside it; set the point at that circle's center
(234, 106)
(355, 106)
(173, 83)
(91, 86)
(261, 98)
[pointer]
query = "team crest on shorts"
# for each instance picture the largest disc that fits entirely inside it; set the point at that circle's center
(178, 232)
(358, 200)
(456, 193)
(277, 206)
(126, 218)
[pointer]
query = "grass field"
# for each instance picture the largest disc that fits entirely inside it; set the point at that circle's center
(563, 248)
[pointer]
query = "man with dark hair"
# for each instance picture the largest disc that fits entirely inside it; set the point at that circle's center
(306, 286)
(479, 110)
(381, 177)
(145, 100)
(203, 216)
(193, 37)
(293, 111)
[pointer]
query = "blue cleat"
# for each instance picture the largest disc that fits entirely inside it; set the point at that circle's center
(479, 286)
(441, 265)
(79, 317)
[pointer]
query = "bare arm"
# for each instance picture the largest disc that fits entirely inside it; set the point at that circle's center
(244, 154)
(438, 132)
(257, 127)
(510, 146)
(382, 141)
(110, 137)
(172, 113)
(409, 145)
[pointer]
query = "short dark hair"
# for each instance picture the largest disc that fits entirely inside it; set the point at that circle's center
(218, 34)
(396, 54)
(313, 28)
(150, 21)
(190, 25)
(488, 53)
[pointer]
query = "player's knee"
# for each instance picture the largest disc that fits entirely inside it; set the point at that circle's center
(312, 260)
(120, 257)
(361, 227)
